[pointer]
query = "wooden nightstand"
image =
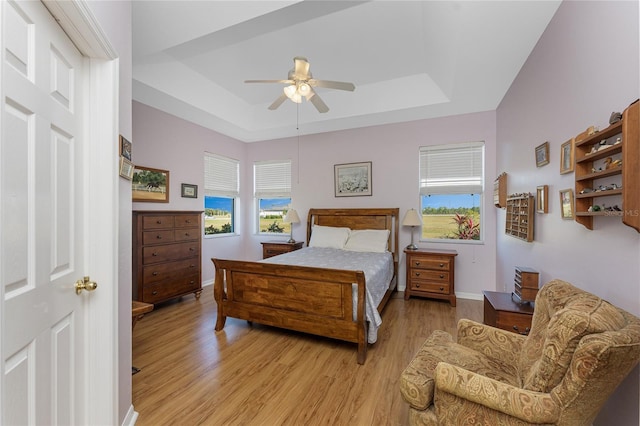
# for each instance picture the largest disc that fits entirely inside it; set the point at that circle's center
(502, 312)
(274, 248)
(430, 273)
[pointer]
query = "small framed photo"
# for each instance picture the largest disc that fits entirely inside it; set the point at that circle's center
(189, 190)
(542, 154)
(126, 168)
(352, 179)
(567, 158)
(566, 203)
(125, 148)
(150, 185)
(542, 199)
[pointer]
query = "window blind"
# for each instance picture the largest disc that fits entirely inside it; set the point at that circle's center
(221, 176)
(452, 169)
(272, 179)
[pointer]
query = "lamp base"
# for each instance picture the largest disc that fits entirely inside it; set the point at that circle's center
(412, 247)
(291, 241)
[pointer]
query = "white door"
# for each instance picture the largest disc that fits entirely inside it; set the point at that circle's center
(41, 221)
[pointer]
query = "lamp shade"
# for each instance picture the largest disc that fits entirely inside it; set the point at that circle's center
(412, 218)
(291, 216)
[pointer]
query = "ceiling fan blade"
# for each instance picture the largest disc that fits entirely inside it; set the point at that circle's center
(270, 81)
(278, 102)
(317, 102)
(301, 67)
(328, 84)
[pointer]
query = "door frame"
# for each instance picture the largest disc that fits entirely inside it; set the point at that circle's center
(100, 123)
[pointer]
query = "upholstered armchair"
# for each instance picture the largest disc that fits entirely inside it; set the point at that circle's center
(579, 349)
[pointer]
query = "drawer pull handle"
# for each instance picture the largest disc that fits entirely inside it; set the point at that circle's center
(418, 285)
(442, 265)
(154, 254)
(159, 237)
(192, 266)
(154, 293)
(155, 273)
(191, 249)
(191, 282)
(417, 263)
(417, 274)
(188, 220)
(186, 234)
(159, 222)
(441, 276)
(441, 288)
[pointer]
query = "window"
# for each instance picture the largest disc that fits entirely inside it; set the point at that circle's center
(221, 189)
(272, 191)
(451, 188)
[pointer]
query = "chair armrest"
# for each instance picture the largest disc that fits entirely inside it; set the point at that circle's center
(491, 341)
(529, 406)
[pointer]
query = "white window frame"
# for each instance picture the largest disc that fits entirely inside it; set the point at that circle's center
(222, 179)
(451, 169)
(271, 179)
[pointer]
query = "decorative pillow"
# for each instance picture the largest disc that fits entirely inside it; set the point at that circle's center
(328, 236)
(369, 240)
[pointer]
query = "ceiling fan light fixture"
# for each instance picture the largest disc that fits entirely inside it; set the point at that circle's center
(290, 91)
(304, 89)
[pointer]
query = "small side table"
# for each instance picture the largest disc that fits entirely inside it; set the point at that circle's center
(274, 248)
(501, 311)
(430, 273)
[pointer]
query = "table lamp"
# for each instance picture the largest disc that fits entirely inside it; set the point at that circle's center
(291, 217)
(412, 219)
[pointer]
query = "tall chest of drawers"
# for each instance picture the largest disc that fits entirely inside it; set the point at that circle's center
(431, 273)
(167, 254)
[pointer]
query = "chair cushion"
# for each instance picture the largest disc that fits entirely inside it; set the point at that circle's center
(416, 382)
(563, 315)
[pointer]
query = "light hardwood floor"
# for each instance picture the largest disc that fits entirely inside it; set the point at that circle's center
(257, 375)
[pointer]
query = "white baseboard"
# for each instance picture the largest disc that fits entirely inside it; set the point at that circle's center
(207, 283)
(471, 296)
(130, 418)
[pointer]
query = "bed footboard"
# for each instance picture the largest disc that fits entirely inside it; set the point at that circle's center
(311, 300)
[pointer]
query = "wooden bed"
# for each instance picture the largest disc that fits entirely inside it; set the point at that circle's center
(307, 299)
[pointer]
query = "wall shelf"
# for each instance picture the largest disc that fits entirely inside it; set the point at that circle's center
(520, 214)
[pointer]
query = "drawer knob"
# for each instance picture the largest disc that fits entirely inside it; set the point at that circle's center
(154, 254)
(417, 263)
(192, 266)
(155, 273)
(441, 288)
(154, 293)
(417, 274)
(188, 220)
(159, 222)
(441, 276)
(159, 237)
(442, 265)
(418, 285)
(191, 249)
(186, 234)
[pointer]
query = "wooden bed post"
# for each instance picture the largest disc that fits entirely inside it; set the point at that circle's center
(219, 295)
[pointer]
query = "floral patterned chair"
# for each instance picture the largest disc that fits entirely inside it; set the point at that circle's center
(578, 351)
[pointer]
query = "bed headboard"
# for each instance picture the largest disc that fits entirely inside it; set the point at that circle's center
(379, 218)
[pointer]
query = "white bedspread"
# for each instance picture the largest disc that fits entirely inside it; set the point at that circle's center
(377, 268)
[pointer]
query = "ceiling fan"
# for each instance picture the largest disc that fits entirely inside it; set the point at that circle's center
(300, 84)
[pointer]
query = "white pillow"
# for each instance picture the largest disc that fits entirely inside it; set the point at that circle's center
(328, 236)
(369, 240)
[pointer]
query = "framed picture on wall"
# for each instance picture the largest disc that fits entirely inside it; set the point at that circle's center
(542, 199)
(542, 154)
(150, 185)
(126, 168)
(352, 179)
(125, 148)
(189, 190)
(566, 203)
(567, 157)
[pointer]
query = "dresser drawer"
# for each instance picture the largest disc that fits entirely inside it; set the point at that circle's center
(431, 262)
(186, 220)
(155, 254)
(429, 275)
(165, 289)
(430, 287)
(158, 236)
(170, 270)
(157, 222)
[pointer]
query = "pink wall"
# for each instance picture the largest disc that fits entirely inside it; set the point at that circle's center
(167, 142)
(584, 67)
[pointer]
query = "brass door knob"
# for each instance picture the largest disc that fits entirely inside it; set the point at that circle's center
(85, 284)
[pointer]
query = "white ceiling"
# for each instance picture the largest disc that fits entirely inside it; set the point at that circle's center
(409, 60)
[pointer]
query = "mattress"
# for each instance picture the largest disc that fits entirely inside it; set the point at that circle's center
(377, 268)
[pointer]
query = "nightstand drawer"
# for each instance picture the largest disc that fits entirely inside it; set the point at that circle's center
(430, 287)
(429, 275)
(432, 262)
(511, 321)
(274, 248)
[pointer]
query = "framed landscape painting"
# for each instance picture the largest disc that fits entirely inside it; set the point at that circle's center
(150, 185)
(352, 179)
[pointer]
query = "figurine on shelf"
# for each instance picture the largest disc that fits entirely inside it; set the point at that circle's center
(619, 140)
(615, 117)
(611, 163)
